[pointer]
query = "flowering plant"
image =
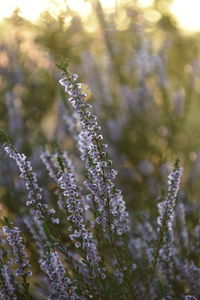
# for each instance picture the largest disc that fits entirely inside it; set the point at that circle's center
(82, 243)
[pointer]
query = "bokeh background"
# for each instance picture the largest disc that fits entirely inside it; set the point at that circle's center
(140, 61)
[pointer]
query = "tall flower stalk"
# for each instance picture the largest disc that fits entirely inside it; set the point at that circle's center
(164, 247)
(90, 251)
(61, 286)
(7, 288)
(16, 242)
(37, 207)
(73, 205)
(41, 215)
(100, 180)
(167, 213)
(111, 209)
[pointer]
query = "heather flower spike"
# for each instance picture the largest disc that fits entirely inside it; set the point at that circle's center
(37, 207)
(91, 251)
(15, 240)
(165, 221)
(60, 283)
(113, 216)
(166, 208)
(7, 289)
(111, 209)
(79, 233)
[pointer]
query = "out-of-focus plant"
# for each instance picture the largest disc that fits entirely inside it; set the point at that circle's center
(130, 85)
(83, 243)
(144, 87)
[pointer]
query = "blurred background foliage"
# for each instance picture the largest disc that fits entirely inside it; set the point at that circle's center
(142, 70)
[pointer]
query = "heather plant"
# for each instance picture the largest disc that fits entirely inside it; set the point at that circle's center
(82, 237)
(79, 240)
(133, 79)
(143, 102)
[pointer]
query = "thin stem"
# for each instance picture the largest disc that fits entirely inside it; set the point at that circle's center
(112, 242)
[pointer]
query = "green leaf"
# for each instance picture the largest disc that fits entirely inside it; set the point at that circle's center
(63, 64)
(61, 163)
(3, 137)
(176, 163)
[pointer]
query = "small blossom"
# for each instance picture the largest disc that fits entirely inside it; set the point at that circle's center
(16, 242)
(7, 290)
(110, 203)
(84, 238)
(38, 208)
(60, 283)
(165, 222)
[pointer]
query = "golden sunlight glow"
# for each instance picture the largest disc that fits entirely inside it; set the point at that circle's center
(187, 14)
(29, 9)
(109, 4)
(80, 6)
(145, 3)
(185, 11)
(75, 5)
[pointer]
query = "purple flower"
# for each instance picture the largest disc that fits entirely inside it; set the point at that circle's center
(110, 204)
(166, 208)
(16, 242)
(61, 286)
(7, 290)
(166, 223)
(76, 216)
(38, 208)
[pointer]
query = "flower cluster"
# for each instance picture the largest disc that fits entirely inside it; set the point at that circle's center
(110, 204)
(91, 253)
(165, 242)
(78, 231)
(16, 242)
(38, 208)
(167, 207)
(72, 202)
(61, 285)
(7, 290)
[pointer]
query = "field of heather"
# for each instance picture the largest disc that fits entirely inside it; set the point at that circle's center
(99, 150)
